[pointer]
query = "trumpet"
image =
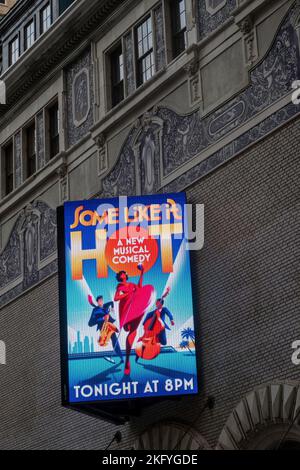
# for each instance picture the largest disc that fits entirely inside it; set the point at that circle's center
(107, 330)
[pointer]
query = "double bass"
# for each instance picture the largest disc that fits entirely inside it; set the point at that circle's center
(149, 346)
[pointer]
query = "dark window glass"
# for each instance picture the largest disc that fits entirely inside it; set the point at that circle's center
(178, 13)
(145, 55)
(117, 76)
(14, 50)
(54, 130)
(9, 168)
(46, 18)
(31, 152)
(64, 4)
(29, 36)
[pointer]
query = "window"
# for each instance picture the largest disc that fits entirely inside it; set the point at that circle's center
(117, 76)
(14, 50)
(30, 150)
(8, 163)
(179, 31)
(46, 18)
(145, 55)
(53, 130)
(29, 36)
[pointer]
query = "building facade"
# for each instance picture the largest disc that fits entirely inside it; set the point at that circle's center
(108, 98)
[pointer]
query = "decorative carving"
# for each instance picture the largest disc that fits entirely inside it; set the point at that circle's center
(186, 137)
(250, 40)
(63, 183)
(10, 261)
(64, 189)
(48, 229)
(146, 120)
(272, 406)
(148, 153)
(18, 159)
(81, 97)
(160, 50)
(148, 161)
(227, 120)
(40, 140)
(62, 170)
(212, 6)
(222, 156)
(246, 25)
(100, 141)
(130, 175)
(28, 232)
(169, 436)
(122, 178)
(128, 52)
(192, 67)
(193, 71)
(30, 250)
(212, 14)
(250, 44)
(193, 13)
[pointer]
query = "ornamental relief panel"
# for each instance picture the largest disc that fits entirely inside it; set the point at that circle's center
(181, 138)
(30, 253)
(212, 6)
(212, 14)
(79, 96)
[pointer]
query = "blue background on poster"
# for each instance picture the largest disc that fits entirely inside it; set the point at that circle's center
(96, 373)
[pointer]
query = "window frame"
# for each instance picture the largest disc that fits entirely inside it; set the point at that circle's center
(44, 8)
(120, 83)
(104, 46)
(4, 180)
(16, 38)
(174, 16)
(27, 25)
(107, 57)
(149, 53)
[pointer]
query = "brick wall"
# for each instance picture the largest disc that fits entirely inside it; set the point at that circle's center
(247, 303)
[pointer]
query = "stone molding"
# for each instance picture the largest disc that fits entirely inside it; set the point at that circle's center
(268, 406)
(191, 145)
(29, 255)
(171, 435)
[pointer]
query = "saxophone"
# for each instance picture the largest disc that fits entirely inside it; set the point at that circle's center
(107, 330)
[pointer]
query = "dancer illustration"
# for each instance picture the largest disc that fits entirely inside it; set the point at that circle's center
(134, 301)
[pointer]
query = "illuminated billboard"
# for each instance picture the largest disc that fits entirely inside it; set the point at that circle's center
(126, 299)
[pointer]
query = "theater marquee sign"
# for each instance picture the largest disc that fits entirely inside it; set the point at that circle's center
(126, 300)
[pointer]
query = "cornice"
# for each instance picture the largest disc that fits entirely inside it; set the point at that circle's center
(51, 49)
(20, 7)
(249, 8)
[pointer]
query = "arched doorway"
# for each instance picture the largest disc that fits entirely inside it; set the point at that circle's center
(169, 435)
(267, 418)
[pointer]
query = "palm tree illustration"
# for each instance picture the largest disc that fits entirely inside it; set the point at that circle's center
(185, 345)
(188, 334)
